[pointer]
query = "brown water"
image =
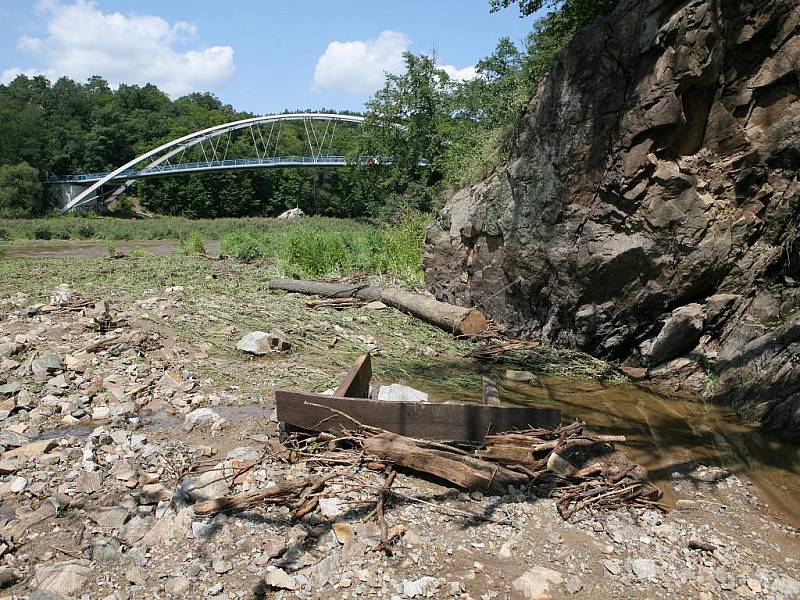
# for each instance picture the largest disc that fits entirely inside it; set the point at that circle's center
(665, 434)
(92, 248)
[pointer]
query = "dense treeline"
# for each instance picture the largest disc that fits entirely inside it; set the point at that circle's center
(452, 134)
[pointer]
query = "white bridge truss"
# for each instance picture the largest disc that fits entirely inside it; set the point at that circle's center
(213, 143)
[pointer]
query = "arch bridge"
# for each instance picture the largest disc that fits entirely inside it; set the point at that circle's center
(220, 148)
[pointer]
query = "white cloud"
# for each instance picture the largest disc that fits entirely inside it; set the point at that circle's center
(456, 74)
(360, 66)
(82, 41)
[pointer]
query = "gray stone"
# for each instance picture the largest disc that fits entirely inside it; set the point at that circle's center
(177, 586)
(9, 389)
(9, 439)
(255, 342)
(681, 332)
(422, 587)
(113, 517)
(612, 566)
(536, 582)
(644, 568)
(220, 565)
(8, 577)
(574, 584)
(279, 579)
(64, 578)
(788, 586)
(47, 363)
(200, 417)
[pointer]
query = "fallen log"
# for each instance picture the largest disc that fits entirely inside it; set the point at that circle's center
(464, 471)
(454, 319)
(327, 290)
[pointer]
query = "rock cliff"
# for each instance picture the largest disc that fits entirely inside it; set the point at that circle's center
(650, 209)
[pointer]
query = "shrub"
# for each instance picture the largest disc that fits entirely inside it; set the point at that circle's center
(42, 232)
(241, 246)
(192, 244)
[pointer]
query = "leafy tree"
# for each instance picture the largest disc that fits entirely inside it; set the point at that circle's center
(20, 190)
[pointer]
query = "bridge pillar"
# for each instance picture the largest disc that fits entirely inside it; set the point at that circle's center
(64, 193)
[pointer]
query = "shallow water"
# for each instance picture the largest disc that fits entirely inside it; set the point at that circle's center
(665, 434)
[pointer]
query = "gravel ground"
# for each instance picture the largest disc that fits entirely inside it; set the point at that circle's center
(113, 426)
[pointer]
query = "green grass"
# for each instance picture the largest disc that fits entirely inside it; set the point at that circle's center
(70, 227)
(318, 247)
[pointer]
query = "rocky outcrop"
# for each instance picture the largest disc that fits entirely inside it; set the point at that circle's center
(650, 209)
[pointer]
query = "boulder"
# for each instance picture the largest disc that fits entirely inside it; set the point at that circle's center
(260, 343)
(292, 213)
(681, 332)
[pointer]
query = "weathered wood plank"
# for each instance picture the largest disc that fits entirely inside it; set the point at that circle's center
(356, 383)
(456, 422)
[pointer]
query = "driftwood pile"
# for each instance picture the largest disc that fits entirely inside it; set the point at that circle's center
(582, 472)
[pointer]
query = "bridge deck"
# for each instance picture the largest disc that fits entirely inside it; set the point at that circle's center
(222, 165)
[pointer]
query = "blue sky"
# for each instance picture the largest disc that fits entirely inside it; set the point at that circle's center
(262, 56)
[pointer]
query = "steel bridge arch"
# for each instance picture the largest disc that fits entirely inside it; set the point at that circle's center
(178, 145)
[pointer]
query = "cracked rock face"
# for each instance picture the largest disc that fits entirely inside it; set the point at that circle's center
(649, 210)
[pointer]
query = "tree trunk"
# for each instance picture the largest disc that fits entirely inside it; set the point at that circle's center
(453, 319)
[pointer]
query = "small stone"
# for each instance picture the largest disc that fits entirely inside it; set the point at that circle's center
(261, 343)
(101, 413)
(112, 517)
(535, 582)
(177, 586)
(221, 565)
(644, 568)
(280, 579)
(200, 417)
(612, 566)
(153, 493)
(329, 507)
(32, 450)
(422, 587)
(754, 585)
(18, 485)
(521, 376)
(8, 577)
(173, 381)
(574, 584)
(375, 305)
(9, 389)
(215, 589)
(788, 586)
(46, 363)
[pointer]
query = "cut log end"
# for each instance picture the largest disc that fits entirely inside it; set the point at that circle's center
(472, 323)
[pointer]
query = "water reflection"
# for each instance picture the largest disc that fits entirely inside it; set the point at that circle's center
(665, 433)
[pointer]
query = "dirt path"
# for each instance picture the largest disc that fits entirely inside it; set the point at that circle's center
(92, 249)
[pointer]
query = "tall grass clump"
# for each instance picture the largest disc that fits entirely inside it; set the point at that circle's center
(315, 247)
(192, 244)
